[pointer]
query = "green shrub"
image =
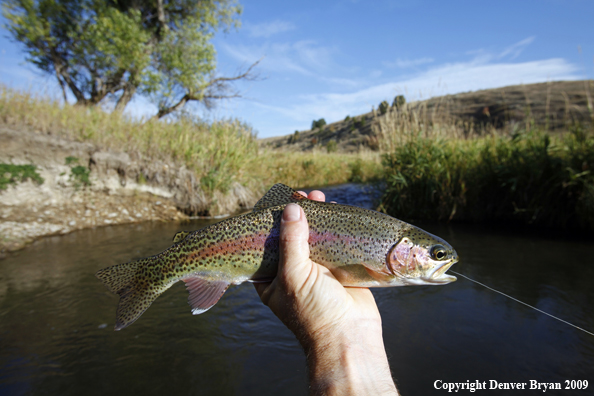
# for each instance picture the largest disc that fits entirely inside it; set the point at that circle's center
(331, 146)
(360, 123)
(307, 165)
(383, 107)
(399, 101)
(530, 178)
(78, 174)
(294, 138)
(318, 124)
(13, 174)
(356, 169)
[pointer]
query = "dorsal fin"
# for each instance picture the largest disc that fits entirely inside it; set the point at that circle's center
(180, 235)
(279, 194)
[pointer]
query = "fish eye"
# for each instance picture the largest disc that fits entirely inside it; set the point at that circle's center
(439, 252)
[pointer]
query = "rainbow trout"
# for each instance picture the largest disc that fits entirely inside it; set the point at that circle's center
(361, 247)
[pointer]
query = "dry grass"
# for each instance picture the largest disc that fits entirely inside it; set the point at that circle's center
(416, 120)
(317, 168)
(221, 153)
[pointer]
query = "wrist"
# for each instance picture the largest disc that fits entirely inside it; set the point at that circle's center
(349, 361)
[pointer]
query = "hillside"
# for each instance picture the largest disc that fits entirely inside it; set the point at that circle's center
(553, 106)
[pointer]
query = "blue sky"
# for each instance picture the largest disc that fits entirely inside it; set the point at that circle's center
(330, 59)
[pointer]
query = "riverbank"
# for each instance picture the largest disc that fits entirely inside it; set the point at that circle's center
(65, 168)
(57, 198)
(83, 167)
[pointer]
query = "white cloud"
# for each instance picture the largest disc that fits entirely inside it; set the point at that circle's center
(511, 52)
(439, 80)
(516, 49)
(408, 63)
(268, 29)
(304, 57)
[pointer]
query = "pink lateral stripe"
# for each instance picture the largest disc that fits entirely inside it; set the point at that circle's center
(242, 244)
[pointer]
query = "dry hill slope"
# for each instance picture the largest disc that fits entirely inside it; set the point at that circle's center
(553, 106)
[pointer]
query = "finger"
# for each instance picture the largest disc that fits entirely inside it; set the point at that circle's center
(317, 195)
(302, 193)
(294, 247)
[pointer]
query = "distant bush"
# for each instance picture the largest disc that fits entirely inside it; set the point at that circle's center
(347, 118)
(307, 165)
(399, 101)
(294, 138)
(318, 124)
(356, 169)
(383, 107)
(331, 146)
(360, 123)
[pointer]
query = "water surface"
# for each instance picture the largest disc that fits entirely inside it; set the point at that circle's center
(57, 338)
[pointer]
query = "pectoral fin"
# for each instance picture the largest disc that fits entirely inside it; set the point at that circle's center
(379, 276)
(203, 293)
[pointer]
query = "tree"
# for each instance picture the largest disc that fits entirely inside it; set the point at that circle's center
(399, 101)
(318, 124)
(118, 48)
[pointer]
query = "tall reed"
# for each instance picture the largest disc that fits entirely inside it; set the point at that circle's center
(412, 121)
(531, 177)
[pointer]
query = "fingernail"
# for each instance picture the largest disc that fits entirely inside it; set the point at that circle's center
(292, 212)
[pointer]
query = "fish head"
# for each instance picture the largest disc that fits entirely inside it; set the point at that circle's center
(420, 258)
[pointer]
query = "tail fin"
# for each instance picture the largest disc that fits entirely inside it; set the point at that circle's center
(135, 295)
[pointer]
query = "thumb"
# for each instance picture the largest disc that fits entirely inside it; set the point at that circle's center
(294, 246)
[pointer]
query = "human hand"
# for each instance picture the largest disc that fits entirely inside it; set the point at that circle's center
(339, 328)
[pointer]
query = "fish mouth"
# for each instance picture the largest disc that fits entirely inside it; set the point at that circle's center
(439, 276)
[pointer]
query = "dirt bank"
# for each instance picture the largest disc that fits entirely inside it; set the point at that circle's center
(122, 188)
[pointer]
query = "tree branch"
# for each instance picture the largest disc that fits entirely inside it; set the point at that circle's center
(168, 110)
(214, 90)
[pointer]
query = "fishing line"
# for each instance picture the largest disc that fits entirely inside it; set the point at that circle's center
(521, 302)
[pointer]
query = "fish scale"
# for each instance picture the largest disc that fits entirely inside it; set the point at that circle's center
(361, 247)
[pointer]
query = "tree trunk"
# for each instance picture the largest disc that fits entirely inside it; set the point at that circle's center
(123, 101)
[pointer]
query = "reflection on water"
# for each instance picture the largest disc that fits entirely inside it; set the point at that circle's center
(57, 338)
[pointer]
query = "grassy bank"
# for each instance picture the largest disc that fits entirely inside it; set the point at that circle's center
(220, 153)
(531, 178)
(317, 168)
(435, 167)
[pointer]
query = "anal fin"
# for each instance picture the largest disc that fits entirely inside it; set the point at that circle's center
(204, 293)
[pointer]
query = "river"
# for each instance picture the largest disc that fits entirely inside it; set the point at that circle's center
(57, 338)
